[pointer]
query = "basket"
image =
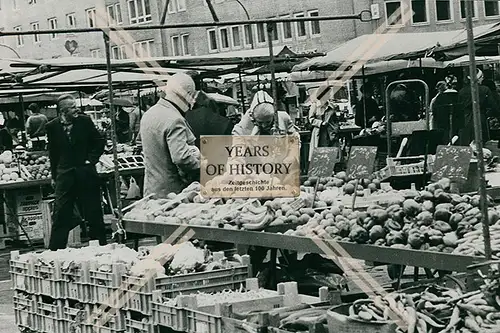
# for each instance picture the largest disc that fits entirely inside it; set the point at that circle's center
(338, 321)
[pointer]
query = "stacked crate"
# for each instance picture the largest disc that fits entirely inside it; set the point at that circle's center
(141, 292)
(53, 299)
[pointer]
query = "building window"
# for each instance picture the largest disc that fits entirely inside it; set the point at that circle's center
(248, 33)
(19, 38)
(274, 33)
(91, 18)
(314, 25)
(419, 8)
(491, 8)
(393, 12)
(462, 9)
(114, 14)
(224, 38)
(71, 20)
(143, 49)
(444, 10)
(176, 45)
(95, 53)
(261, 33)
(236, 37)
(139, 11)
(15, 5)
(36, 37)
(53, 26)
(181, 5)
(185, 44)
(286, 29)
(172, 7)
(300, 27)
(212, 40)
(123, 52)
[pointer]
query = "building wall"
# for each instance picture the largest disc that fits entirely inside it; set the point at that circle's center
(485, 14)
(331, 32)
(89, 44)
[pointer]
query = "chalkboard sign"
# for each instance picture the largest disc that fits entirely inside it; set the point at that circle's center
(452, 162)
(323, 162)
(361, 162)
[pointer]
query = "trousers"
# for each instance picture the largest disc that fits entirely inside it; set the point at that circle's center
(80, 186)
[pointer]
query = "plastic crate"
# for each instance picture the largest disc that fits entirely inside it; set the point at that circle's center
(105, 286)
(47, 324)
(52, 310)
(22, 273)
(139, 290)
(103, 316)
(169, 316)
(98, 329)
(136, 322)
(200, 322)
(49, 280)
(77, 283)
(25, 310)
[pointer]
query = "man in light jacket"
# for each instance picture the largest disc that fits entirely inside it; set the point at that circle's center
(167, 140)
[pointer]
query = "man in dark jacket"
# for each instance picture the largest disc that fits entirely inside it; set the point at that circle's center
(369, 104)
(487, 106)
(205, 119)
(75, 147)
(446, 115)
(35, 127)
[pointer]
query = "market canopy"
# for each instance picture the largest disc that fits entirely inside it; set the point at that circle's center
(372, 48)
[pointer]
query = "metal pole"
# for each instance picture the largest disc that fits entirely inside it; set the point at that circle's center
(477, 128)
(365, 119)
(113, 131)
(274, 89)
(242, 95)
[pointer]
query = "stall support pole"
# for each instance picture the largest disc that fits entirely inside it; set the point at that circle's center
(270, 29)
(365, 117)
(242, 95)
(113, 131)
(23, 110)
(477, 129)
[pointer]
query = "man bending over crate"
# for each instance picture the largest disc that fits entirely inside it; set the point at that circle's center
(75, 147)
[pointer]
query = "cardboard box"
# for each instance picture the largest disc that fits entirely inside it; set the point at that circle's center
(28, 202)
(32, 225)
(74, 238)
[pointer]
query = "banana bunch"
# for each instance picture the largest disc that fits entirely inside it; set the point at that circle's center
(255, 218)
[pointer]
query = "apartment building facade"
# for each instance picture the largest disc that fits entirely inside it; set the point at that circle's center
(23, 15)
(432, 15)
(423, 15)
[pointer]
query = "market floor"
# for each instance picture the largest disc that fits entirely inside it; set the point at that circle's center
(7, 319)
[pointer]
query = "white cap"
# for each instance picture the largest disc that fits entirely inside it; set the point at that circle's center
(181, 90)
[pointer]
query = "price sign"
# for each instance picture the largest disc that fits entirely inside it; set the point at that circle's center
(361, 162)
(452, 162)
(323, 162)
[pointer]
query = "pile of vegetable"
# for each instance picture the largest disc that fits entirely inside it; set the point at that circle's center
(228, 296)
(472, 243)
(432, 220)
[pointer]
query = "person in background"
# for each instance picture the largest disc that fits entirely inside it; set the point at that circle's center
(325, 123)
(136, 116)
(5, 137)
(35, 127)
(171, 159)
(122, 125)
(246, 125)
(440, 88)
(205, 119)
(75, 147)
(366, 103)
(404, 104)
(487, 106)
(444, 108)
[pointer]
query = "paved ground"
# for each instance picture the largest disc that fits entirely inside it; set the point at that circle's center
(7, 319)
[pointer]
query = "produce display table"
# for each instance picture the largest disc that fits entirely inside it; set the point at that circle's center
(415, 258)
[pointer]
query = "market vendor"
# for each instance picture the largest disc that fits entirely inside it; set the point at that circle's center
(259, 119)
(323, 118)
(35, 127)
(122, 125)
(366, 109)
(487, 107)
(170, 156)
(75, 146)
(445, 115)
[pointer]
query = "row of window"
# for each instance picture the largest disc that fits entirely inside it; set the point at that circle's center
(143, 49)
(139, 12)
(444, 10)
(237, 37)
